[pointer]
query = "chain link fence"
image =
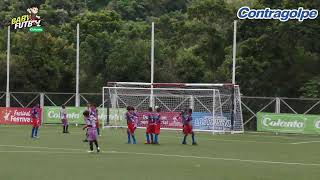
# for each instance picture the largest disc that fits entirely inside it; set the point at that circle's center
(250, 105)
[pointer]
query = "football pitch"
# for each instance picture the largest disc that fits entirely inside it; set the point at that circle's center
(57, 156)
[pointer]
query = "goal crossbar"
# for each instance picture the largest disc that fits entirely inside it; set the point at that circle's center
(170, 84)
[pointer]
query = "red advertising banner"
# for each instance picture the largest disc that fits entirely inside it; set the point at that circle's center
(19, 116)
(168, 119)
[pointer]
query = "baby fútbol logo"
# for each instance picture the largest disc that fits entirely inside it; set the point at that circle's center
(32, 20)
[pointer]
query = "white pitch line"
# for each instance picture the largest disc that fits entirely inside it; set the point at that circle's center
(218, 158)
(233, 140)
(38, 147)
(305, 142)
(156, 154)
(44, 152)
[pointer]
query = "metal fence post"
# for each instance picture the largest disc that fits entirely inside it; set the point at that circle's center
(41, 100)
(42, 106)
(278, 105)
(77, 104)
(7, 99)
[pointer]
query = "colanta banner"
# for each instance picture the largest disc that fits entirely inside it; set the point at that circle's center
(51, 115)
(288, 123)
(18, 116)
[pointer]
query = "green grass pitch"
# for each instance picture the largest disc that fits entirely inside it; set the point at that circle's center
(57, 156)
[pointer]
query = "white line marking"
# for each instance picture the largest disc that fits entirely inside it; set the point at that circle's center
(154, 154)
(305, 142)
(223, 159)
(46, 152)
(35, 147)
(233, 140)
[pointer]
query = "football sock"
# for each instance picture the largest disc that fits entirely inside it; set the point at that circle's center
(36, 132)
(193, 140)
(32, 132)
(96, 143)
(184, 139)
(156, 138)
(151, 138)
(129, 139)
(134, 139)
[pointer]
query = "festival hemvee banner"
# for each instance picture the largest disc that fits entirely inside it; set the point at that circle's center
(18, 116)
(288, 123)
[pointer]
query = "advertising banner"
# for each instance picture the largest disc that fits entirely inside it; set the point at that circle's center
(204, 121)
(51, 115)
(18, 116)
(168, 120)
(288, 123)
(201, 121)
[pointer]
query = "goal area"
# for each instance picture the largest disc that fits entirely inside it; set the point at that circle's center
(216, 107)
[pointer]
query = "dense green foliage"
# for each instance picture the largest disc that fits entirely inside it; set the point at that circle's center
(193, 44)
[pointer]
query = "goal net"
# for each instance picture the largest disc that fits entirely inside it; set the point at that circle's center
(216, 107)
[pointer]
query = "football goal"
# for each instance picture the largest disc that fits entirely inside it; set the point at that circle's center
(216, 107)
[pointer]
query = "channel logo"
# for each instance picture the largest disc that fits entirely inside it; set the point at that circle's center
(282, 15)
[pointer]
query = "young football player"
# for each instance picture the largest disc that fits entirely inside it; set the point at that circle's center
(187, 127)
(157, 121)
(91, 130)
(94, 112)
(64, 120)
(131, 123)
(35, 120)
(150, 126)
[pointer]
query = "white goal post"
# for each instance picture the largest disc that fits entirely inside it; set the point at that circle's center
(216, 107)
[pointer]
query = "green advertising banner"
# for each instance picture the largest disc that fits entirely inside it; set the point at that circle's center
(288, 123)
(51, 115)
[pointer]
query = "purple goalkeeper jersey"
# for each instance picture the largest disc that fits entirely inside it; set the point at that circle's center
(63, 113)
(94, 112)
(91, 122)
